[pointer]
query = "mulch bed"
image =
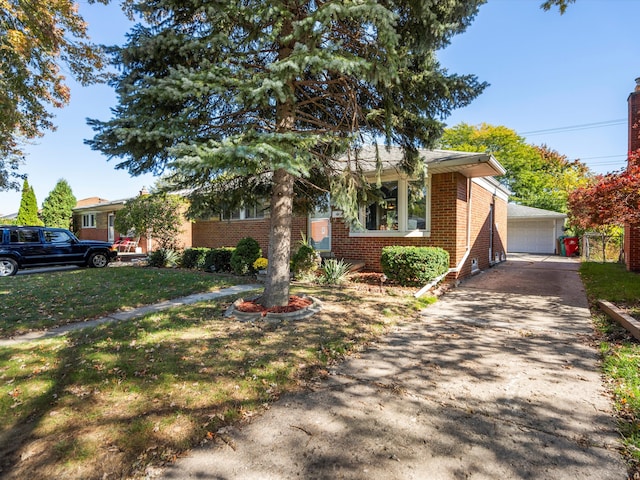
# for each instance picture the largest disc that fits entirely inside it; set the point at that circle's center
(295, 303)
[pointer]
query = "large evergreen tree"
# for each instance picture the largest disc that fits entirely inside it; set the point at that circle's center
(28, 212)
(256, 98)
(57, 208)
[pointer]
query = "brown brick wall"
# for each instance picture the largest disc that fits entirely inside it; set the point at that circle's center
(449, 203)
(227, 233)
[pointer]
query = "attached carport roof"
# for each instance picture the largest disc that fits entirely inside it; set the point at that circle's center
(515, 211)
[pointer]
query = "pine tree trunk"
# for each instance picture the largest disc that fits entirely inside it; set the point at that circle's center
(276, 291)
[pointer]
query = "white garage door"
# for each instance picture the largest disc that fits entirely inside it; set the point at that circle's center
(531, 236)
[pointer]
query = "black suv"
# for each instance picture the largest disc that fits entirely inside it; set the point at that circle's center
(25, 247)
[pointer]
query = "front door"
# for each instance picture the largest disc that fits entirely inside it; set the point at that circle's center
(320, 229)
(111, 231)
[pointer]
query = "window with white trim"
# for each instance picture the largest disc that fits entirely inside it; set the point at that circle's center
(245, 213)
(88, 220)
(401, 207)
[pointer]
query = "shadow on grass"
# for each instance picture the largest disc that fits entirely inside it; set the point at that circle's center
(107, 401)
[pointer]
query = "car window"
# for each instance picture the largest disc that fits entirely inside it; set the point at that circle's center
(24, 235)
(57, 236)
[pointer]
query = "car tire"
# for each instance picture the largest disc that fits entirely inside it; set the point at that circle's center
(98, 260)
(8, 267)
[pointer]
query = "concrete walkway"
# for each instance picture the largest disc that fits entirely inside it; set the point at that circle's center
(498, 380)
(129, 314)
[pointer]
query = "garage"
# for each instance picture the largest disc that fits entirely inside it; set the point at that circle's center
(533, 230)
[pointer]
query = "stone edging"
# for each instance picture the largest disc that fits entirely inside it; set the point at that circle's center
(627, 321)
(312, 309)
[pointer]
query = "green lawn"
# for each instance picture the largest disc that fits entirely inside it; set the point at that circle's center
(108, 401)
(620, 351)
(43, 300)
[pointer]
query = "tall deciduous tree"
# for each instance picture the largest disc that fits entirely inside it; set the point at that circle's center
(57, 208)
(157, 216)
(28, 212)
(536, 175)
(243, 99)
(40, 43)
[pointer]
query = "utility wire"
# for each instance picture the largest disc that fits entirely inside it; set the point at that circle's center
(571, 128)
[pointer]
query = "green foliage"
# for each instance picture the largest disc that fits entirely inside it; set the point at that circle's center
(304, 261)
(164, 257)
(57, 208)
(157, 215)
(41, 44)
(194, 258)
(334, 272)
(414, 265)
(219, 259)
(536, 175)
(246, 252)
(28, 212)
(246, 100)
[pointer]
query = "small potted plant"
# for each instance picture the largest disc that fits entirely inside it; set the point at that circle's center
(260, 266)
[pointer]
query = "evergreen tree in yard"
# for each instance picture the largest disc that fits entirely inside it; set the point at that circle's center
(28, 212)
(243, 100)
(57, 208)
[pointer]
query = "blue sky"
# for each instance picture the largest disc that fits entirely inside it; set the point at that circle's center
(547, 72)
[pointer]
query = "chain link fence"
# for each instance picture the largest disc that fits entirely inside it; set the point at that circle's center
(597, 247)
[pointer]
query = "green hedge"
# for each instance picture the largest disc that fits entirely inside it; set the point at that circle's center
(410, 266)
(208, 259)
(194, 257)
(219, 259)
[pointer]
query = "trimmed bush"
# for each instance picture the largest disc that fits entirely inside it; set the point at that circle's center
(194, 257)
(218, 259)
(411, 266)
(247, 251)
(304, 261)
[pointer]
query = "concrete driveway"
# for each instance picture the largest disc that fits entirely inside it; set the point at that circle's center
(498, 380)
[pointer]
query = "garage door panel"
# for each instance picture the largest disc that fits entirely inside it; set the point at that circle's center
(531, 236)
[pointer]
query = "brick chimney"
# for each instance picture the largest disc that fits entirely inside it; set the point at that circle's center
(634, 118)
(632, 232)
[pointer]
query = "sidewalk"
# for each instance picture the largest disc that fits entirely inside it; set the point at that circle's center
(499, 379)
(128, 315)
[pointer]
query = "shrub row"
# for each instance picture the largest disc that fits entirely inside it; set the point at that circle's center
(407, 266)
(208, 259)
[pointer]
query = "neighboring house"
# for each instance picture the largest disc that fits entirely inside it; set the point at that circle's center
(533, 230)
(93, 219)
(632, 233)
(459, 207)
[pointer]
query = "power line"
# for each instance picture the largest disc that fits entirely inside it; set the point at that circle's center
(571, 128)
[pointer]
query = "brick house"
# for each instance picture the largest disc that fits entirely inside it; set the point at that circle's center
(632, 232)
(459, 207)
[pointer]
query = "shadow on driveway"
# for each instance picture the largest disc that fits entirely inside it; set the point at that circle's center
(499, 379)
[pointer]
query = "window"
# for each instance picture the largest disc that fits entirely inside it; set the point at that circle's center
(245, 213)
(24, 235)
(400, 207)
(57, 236)
(89, 220)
